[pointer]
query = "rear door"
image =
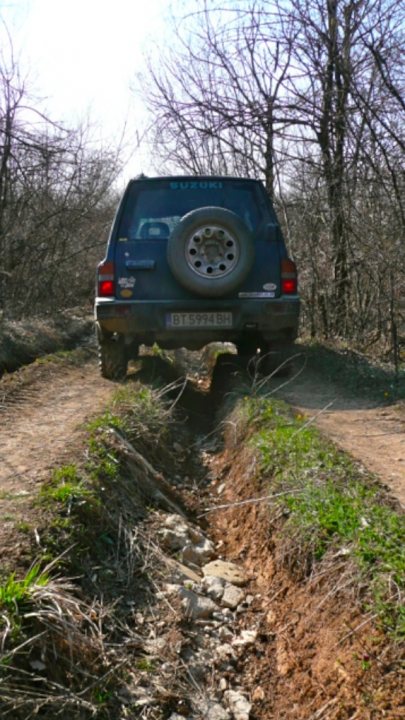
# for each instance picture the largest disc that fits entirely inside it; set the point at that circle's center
(150, 211)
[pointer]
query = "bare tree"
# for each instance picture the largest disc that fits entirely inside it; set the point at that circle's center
(56, 196)
(345, 106)
(219, 97)
(308, 96)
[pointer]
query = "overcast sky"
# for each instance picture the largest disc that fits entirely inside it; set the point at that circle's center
(81, 57)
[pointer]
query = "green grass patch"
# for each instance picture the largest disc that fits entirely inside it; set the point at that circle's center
(329, 502)
(15, 597)
(86, 503)
(13, 591)
(66, 486)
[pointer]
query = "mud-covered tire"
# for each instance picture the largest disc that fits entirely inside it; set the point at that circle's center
(211, 251)
(113, 360)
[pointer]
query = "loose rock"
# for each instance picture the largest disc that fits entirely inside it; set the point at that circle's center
(213, 711)
(197, 607)
(213, 586)
(173, 539)
(232, 596)
(198, 554)
(239, 706)
(224, 652)
(227, 570)
(181, 572)
(247, 637)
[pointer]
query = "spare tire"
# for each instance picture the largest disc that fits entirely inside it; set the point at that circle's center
(210, 251)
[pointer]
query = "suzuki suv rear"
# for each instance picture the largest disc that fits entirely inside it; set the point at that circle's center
(192, 260)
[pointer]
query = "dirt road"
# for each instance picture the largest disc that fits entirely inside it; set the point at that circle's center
(373, 433)
(38, 430)
(41, 427)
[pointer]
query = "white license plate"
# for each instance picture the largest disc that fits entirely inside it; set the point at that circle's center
(187, 320)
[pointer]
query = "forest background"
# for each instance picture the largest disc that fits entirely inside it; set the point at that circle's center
(306, 95)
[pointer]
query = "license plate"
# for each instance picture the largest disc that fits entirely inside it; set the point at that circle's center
(187, 320)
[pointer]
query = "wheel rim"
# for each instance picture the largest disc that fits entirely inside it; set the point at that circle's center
(212, 252)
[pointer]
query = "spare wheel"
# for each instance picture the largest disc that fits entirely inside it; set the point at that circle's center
(210, 251)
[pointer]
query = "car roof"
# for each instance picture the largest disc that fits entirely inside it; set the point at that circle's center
(195, 177)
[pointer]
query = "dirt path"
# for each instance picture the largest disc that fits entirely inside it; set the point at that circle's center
(372, 433)
(39, 430)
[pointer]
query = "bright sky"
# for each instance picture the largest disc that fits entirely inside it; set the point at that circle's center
(81, 56)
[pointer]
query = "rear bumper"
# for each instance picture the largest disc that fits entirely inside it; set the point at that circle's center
(147, 320)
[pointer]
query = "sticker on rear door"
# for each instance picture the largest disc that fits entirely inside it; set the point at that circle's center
(126, 282)
(269, 286)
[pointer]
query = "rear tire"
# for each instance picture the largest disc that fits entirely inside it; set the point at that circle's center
(113, 359)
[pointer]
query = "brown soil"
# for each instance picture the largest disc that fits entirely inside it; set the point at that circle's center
(302, 667)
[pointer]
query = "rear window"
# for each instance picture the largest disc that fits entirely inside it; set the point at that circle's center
(152, 211)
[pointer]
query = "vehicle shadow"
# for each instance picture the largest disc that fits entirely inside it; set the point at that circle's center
(323, 377)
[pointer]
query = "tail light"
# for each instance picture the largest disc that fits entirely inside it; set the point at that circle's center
(289, 283)
(105, 279)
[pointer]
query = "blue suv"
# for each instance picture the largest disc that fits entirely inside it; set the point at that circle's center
(192, 260)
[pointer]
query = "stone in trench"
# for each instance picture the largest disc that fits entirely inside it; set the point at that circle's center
(173, 521)
(178, 525)
(224, 633)
(198, 554)
(232, 596)
(196, 536)
(171, 589)
(228, 571)
(247, 637)
(173, 539)
(225, 652)
(197, 607)
(211, 710)
(239, 706)
(258, 694)
(213, 586)
(180, 572)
